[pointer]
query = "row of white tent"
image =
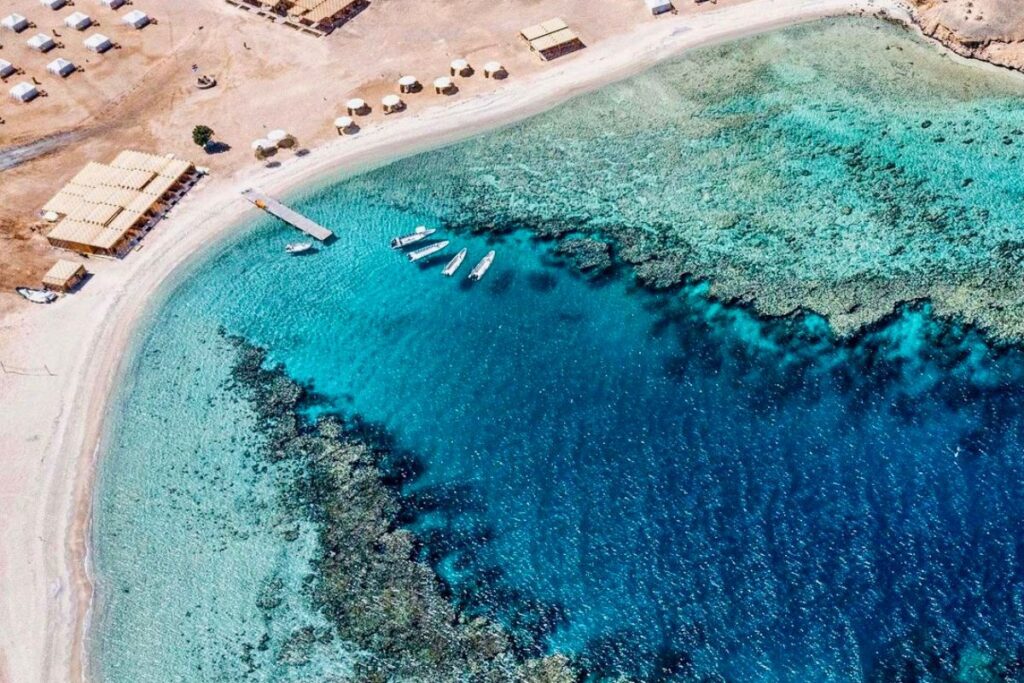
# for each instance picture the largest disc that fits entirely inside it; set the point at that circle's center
(79, 21)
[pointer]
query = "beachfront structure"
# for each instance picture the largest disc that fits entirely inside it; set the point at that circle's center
(459, 67)
(355, 106)
(107, 206)
(78, 21)
(493, 69)
(6, 68)
(112, 4)
(551, 38)
(61, 67)
(136, 19)
(14, 22)
(53, 4)
(344, 124)
(391, 103)
(408, 84)
(263, 148)
(315, 17)
(24, 92)
(98, 43)
(41, 42)
(442, 85)
(64, 276)
(659, 6)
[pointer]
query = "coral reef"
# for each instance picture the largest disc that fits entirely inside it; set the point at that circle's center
(388, 604)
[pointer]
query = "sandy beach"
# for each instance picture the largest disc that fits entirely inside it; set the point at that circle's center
(62, 362)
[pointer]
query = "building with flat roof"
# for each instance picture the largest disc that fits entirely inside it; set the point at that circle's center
(64, 276)
(107, 206)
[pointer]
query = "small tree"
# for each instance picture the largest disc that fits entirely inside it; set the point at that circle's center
(202, 135)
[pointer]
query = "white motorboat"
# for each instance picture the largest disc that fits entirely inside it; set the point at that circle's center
(426, 251)
(37, 296)
(298, 247)
(454, 264)
(481, 268)
(420, 233)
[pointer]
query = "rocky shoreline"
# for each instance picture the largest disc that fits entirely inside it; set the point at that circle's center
(987, 30)
(368, 581)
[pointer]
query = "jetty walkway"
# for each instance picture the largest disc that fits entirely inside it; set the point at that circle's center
(293, 218)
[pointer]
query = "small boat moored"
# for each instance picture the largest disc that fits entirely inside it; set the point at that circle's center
(454, 264)
(298, 247)
(481, 268)
(37, 296)
(427, 251)
(405, 240)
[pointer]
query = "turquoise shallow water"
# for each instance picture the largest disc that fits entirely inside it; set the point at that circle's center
(657, 484)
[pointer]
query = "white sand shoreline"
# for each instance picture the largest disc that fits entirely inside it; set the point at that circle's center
(54, 424)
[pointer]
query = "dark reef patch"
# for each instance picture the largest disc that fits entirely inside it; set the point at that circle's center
(372, 579)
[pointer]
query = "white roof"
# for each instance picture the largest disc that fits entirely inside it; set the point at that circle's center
(658, 4)
(60, 66)
(343, 122)
(40, 41)
(5, 67)
(53, 4)
(459, 64)
(112, 4)
(355, 103)
(492, 66)
(96, 40)
(136, 18)
(390, 100)
(442, 82)
(277, 135)
(262, 144)
(77, 20)
(15, 22)
(24, 91)
(407, 80)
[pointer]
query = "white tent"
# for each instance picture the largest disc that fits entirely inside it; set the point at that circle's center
(343, 122)
(24, 92)
(41, 42)
(262, 144)
(491, 68)
(136, 19)
(53, 4)
(659, 6)
(458, 66)
(6, 68)
(78, 21)
(407, 83)
(111, 4)
(355, 105)
(442, 84)
(98, 42)
(60, 67)
(391, 103)
(14, 22)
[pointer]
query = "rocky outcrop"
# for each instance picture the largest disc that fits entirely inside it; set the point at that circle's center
(990, 30)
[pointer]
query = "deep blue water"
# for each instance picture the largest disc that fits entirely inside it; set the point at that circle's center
(656, 484)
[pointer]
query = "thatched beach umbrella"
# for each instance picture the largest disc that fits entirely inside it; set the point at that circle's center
(407, 84)
(442, 85)
(262, 147)
(355, 106)
(343, 124)
(281, 138)
(459, 67)
(391, 103)
(491, 69)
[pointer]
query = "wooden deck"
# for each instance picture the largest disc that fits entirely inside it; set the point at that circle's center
(292, 218)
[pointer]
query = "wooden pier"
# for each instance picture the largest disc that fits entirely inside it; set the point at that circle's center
(292, 218)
